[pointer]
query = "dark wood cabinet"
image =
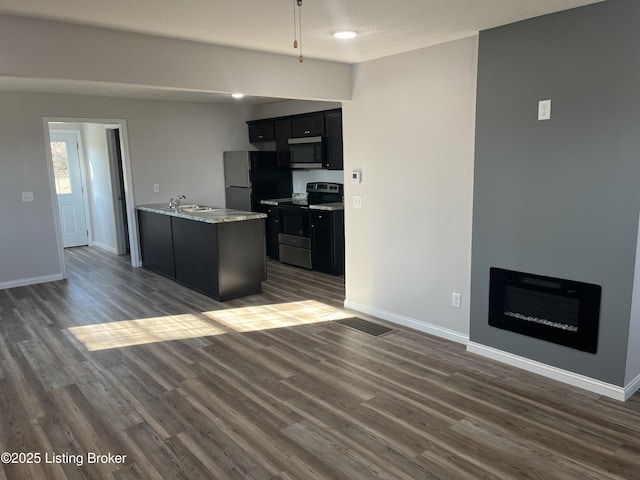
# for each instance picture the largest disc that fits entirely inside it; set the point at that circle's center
(327, 240)
(242, 264)
(272, 229)
(156, 243)
(333, 154)
(326, 124)
(261, 131)
(196, 255)
(223, 260)
(308, 126)
(282, 130)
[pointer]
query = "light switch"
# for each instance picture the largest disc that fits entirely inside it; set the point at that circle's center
(156, 188)
(544, 110)
(27, 196)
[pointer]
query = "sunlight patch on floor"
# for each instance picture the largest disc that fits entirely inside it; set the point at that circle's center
(216, 322)
(145, 330)
(264, 317)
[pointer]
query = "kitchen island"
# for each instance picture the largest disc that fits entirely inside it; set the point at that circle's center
(216, 251)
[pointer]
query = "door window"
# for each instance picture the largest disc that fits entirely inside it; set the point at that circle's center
(61, 168)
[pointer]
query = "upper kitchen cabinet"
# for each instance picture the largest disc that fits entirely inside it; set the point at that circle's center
(261, 131)
(333, 155)
(308, 126)
(326, 124)
(282, 130)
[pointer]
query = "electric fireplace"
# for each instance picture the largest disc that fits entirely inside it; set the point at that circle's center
(552, 309)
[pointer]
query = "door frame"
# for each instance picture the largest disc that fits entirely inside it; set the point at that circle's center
(132, 221)
(83, 176)
(121, 233)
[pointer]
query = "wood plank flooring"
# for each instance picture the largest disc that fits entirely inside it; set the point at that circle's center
(121, 361)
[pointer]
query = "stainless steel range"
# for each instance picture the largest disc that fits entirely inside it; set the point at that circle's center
(294, 241)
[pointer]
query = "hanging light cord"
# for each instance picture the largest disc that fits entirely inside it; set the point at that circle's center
(301, 58)
(297, 27)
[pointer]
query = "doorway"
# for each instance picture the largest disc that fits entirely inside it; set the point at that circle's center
(102, 150)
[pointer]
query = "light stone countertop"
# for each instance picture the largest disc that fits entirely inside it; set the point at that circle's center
(318, 206)
(219, 215)
(275, 201)
(330, 207)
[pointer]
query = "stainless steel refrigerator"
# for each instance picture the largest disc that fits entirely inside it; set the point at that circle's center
(253, 176)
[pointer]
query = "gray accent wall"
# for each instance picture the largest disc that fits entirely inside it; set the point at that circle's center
(560, 197)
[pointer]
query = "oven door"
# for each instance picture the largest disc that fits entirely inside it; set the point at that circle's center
(294, 220)
(294, 244)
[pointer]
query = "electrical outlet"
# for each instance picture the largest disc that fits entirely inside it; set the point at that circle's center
(27, 196)
(357, 201)
(156, 188)
(455, 300)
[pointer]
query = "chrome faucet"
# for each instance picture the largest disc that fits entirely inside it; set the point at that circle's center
(174, 203)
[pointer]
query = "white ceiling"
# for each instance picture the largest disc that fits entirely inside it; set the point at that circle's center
(385, 27)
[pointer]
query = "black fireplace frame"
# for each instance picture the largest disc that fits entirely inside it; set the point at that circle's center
(587, 294)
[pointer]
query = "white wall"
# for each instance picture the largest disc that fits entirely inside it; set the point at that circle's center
(33, 49)
(180, 147)
(177, 145)
(28, 244)
(103, 222)
(410, 129)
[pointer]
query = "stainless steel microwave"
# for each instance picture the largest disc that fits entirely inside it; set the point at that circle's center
(307, 152)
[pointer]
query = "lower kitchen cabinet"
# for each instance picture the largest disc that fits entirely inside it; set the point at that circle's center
(223, 260)
(156, 243)
(272, 227)
(327, 240)
(195, 250)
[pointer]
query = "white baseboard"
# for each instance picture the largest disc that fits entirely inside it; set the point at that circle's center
(587, 383)
(632, 387)
(570, 378)
(409, 322)
(31, 281)
(108, 248)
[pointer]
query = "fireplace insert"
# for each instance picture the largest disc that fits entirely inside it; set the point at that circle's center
(561, 311)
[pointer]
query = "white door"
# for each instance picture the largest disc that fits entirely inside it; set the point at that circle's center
(66, 168)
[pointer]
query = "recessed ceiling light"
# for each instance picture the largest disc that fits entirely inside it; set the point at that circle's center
(237, 95)
(345, 34)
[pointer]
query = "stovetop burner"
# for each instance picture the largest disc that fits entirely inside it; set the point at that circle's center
(317, 193)
(324, 192)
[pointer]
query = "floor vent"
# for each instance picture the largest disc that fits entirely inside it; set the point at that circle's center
(365, 326)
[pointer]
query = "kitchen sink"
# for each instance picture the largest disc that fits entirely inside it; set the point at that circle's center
(197, 209)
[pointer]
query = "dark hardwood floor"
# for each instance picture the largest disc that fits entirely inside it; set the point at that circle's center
(120, 361)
